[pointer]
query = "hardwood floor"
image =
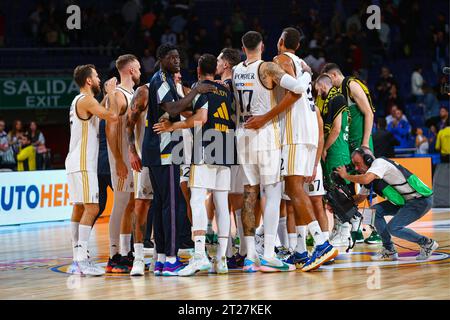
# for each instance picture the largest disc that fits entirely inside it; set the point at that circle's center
(34, 257)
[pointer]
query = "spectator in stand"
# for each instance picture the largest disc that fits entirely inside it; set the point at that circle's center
(443, 142)
(443, 115)
(432, 139)
(7, 160)
(38, 142)
(393, 99)
(400, 128)
(14, 136)
(417, 84)
(383, 87)
(383, 33)
(26, 158)
(383, 141)
(131, 11)
(392, 113)
(315, 59)
(422, 145)
(430, 103)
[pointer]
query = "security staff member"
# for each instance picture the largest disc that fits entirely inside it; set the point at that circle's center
(407, 199)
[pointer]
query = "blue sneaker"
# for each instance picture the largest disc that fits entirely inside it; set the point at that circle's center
(298, 259)
(323, 253)
(250, 265)
(275, 265)
(157, 271)
(171, 269)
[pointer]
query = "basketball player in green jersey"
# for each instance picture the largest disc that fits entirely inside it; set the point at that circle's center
(362, 112)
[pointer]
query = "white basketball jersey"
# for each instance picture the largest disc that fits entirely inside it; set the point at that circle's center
(122, 130)
(84, 141)
(139, 130)
(300, 121)
(187, 133)
(253, 98)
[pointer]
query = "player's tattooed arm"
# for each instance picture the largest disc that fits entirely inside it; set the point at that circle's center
(248, 209)
(138, 105)
(276, 74)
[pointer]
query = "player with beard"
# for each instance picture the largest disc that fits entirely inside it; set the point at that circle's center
(81, 164)
(120, 221)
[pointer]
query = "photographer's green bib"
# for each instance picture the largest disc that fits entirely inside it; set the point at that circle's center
(393, 193)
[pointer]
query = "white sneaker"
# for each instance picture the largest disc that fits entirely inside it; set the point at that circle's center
(74, 269)
(89, 269)
(386, 255)
(343, 237)
(427, 250)
(197, 263)
(138, 267)
(221, 265)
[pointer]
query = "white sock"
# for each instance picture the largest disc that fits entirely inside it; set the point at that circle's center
(292, 240)
(355, 224)
(302, 231)
(282, 232)
(316, 232)
(209, 229)
(271, 217)
(161, 257)
(251, 250)
(83, 239)
(125, 244)
(223, 220)
(139, 251)
(171, 259)
(326, 234)
(260, 229)
(269, 245)
(222, 249)
(199, 242)
(115, 220)
(74, 235)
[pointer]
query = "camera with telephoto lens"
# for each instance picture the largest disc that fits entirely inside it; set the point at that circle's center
(340, 197)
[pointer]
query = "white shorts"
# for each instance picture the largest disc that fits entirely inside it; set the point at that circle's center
(312, 189)
(142, 185)
(264, 168)
(211, 177)
(83, 187)
(120, 184)
(237, 179)
(298, 160)
(185, 169)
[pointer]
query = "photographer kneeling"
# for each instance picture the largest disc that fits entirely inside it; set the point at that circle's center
(408, 200)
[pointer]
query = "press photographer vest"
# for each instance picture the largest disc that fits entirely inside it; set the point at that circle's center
(392, 192)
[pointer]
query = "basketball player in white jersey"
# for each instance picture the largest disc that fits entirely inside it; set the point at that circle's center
(81, 164)
(120, 223)
(143, 191)
(300, 142)
(259, 151)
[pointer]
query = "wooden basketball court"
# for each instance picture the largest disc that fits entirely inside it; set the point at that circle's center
(33, 259)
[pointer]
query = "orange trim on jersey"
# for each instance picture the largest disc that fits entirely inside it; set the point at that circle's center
(83, 147)
(85, 180)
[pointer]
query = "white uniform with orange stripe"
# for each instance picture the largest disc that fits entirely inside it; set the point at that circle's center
(301, 131)
(122, 184)
(259, 151)
(142, 185)
(81, 161)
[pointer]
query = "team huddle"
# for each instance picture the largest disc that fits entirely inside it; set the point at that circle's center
(255, 144)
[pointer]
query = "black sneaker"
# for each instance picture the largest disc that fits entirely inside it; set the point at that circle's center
(125, 264)
(187, 245)
(112, 263)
